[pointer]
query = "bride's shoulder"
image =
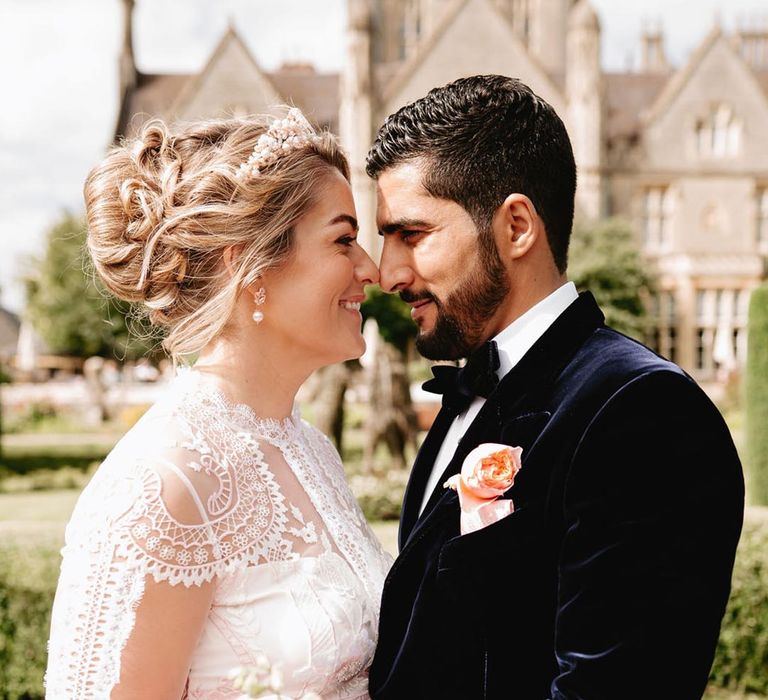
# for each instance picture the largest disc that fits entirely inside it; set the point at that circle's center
(186, 494)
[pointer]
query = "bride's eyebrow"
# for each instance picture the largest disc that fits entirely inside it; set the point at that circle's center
(344, 218)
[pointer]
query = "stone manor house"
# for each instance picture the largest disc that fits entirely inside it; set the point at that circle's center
(681, 152)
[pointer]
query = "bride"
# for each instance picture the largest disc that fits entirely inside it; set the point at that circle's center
(220, 530)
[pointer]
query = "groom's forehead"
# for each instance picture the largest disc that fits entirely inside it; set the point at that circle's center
(407, 176)
(401, 193)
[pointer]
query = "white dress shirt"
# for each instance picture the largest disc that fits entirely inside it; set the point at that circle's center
(513, 342)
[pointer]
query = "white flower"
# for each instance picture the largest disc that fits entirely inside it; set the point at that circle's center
(258, 680)
(276, 679)
(262, 665)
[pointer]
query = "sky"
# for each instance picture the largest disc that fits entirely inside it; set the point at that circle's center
(59, 76)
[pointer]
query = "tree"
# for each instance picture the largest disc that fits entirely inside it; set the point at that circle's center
(329, 387)
(605, 260)
(756, 395)
(70, 311)
(393, 317)
(391, 417)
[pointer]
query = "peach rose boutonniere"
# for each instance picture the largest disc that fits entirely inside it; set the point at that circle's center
(488, 472)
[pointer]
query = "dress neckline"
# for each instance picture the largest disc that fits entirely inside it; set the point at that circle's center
(190, 379)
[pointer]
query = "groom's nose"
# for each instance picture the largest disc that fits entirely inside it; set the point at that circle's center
(395, 270)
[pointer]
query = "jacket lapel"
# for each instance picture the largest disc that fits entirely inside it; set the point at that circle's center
(422, 468)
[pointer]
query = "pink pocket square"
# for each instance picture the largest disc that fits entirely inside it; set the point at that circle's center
(486, 515)
(487, 473)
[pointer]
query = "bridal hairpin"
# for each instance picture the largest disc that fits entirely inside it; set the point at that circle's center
(284, 135)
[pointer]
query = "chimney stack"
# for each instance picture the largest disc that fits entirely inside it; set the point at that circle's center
(652, 56)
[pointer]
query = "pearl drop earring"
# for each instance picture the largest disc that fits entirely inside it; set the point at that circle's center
(259, 298)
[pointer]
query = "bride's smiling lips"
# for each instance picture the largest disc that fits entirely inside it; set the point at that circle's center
(352, 303)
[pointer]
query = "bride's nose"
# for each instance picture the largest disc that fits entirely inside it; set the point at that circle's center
(366, 271)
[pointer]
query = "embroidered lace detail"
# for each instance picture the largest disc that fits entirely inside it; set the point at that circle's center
(318, 467)
(244, 519)
(202, 490)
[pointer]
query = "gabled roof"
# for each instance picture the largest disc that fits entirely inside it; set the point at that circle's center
(315, 94)
(407, 71)
(152, 97)
(627, 96)
(230, 39)
(166, 96)
(681, 78)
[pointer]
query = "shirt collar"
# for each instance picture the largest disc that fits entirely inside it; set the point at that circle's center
(520, 335)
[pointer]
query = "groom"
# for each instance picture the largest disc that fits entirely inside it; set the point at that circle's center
(609, 579)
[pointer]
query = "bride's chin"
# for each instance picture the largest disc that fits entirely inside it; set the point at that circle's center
(359, 350)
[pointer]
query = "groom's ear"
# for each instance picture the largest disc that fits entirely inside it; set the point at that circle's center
(516, 226)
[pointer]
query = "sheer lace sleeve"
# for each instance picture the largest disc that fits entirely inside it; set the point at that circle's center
(178, 501)
(198, 516)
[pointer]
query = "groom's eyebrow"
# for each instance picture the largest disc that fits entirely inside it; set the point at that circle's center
(402, 225)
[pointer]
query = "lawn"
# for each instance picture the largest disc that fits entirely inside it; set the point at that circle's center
(51, 508)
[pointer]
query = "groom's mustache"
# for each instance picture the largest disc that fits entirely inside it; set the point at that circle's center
(410, 297)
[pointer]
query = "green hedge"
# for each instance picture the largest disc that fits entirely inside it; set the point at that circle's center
(380, 497)
(29, 569)
(756, 395)
(741, 662)
(28, 574)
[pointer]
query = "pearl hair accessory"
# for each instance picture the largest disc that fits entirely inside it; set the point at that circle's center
(259, 298)
(284, 135)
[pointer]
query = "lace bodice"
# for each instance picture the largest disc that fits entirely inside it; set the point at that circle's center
(202, 490)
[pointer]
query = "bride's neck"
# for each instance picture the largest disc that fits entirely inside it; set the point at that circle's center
(266, 381)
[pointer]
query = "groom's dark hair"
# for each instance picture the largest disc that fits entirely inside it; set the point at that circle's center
(483, 138)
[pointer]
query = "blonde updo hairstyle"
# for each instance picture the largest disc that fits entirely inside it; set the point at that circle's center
(163, 208)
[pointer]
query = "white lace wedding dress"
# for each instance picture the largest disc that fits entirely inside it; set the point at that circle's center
(204, 490)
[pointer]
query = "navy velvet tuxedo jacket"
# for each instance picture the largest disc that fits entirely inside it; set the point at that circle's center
(610, 578)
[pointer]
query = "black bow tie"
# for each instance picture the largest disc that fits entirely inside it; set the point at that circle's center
(460, 385)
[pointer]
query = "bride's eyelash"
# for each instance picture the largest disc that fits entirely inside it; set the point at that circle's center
(346, 240)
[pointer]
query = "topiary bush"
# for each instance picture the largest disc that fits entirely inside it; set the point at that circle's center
(756, 395)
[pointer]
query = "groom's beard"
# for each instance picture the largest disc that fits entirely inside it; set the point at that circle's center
(462, 317)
